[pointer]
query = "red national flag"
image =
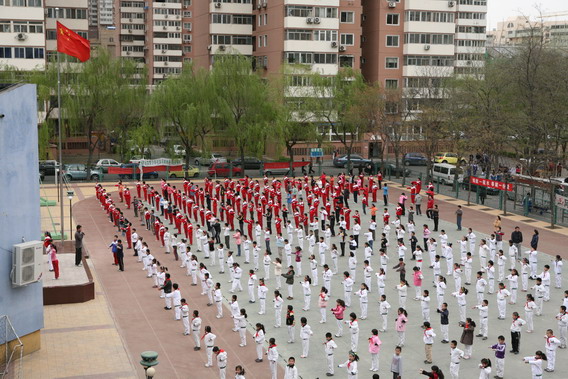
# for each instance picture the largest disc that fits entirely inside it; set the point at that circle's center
(70, 43)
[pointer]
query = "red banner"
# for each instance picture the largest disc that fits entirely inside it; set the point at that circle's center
(279, 165)
(491, 184)
(130, 170)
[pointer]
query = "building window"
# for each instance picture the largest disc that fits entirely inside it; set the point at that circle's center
(29, 52)
(347, 17)
(187, 38)
(187, 26)
(187, 14)
(265, 19)
(347, 39)
(187, 49)
(392, 41)
(51, 35)
(393, 19)
(5, 52)
(265, 40)
(391, 83)
(299, 11)
(325, 35)
(5, 26)
(298, 35)
(391, 62)
(346, 60)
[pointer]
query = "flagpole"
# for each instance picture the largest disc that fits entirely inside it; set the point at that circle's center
(60, 144)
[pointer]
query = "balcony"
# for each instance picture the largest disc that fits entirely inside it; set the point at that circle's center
(231, 7)
(429, 27)
(228, 49)
(427, 49)
(230, 29)
(319, 3)
(312, 46)
(311, 23)
(427, 71)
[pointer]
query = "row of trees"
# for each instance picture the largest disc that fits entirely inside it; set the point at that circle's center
(515, 104)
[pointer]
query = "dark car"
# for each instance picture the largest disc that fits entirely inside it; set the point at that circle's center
(415, 159)
(488, 191)
(145, 175)
(251, 163)
(222, 169)
(394, 171)
(356, 161)
(47, 167)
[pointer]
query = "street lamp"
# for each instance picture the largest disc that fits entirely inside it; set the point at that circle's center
(149, 359)
(70, 195)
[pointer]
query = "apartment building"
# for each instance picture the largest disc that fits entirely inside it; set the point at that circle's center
(72, 14)
(22, 34)
(552, 28)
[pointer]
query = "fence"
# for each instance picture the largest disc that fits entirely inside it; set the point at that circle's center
(12, 349)
(526, 200)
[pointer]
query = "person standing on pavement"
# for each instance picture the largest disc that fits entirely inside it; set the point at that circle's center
(418, 203)
(120, 255)
(517, 238)
(386, 194)
(534, 240)
(459, 215)
(79, 246)
(436, 217)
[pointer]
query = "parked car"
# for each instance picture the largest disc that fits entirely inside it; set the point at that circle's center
(356, 161)
(250, 163)
(445, 173)
(179, 151)
(489, 191)
(145, 174)
(415, 159)
(104, 164)
(79, 172)
(451, 158)
(401, 171)
(208, 159)
(189, 172)
(222, 169)
(279, 171)
(48, 167)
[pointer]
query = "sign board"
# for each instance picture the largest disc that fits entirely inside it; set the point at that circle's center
(561, 202)
(316, 152)
(491, 183)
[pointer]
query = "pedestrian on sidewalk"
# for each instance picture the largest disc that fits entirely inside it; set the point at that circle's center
(120, 255)
(54, 261)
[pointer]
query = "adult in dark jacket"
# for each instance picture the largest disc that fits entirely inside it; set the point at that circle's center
(289, 276)
(534, 240)
(436, 373)
(517, 238)
(167, 287)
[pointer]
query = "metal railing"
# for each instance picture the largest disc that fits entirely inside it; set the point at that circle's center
(14, 349)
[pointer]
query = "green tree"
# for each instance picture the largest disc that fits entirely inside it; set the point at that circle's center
(333, 100)
(88, 101)
(188, 105)
(247, 110)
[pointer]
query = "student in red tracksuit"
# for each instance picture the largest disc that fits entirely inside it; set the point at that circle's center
(127, 198)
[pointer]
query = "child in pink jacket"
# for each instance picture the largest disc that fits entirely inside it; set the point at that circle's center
(401, 321)
(374, 348)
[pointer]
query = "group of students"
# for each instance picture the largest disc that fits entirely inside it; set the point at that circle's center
(267, 203)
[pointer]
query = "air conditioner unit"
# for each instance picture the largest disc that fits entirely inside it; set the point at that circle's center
(177, 17)
(392, 4)
(258, 6)
(164, 51)
(177, 27)
(129, 30)
(451, 4)
(341, 48)
(185, 7)
(309, 20)
(165, 63)
(27, 262)
(166, 16)
(426, 47)
(128, 53)
(164, 27)
(217, 5)
(222, 47)
(209, 47)
(22, 36)
(264, 4)
(334, 44)
(316, 20)
(130, 20)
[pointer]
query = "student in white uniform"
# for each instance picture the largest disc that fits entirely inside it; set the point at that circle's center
(329, 348)
(536, 362)
(241, 320)
(425, 305)
(259, 338)
(277, 309)
(291, 371)
(530, 307)
(485, 369)
(558, 271)
(363, 294)
(483, 320)
(552, 343)
(347, 288)
(384, 307)
(196, 330)
(272, 355)
(305, 334)
(455, 356)
(235, 311)
(502, 295)
(307, 290)
(513, 279)
(237, 274)
(462, 304)
(221, 362)
(218, 299)
(262, 292)
(252, 279)
(209, 341)
(351, 365)
(185, 317)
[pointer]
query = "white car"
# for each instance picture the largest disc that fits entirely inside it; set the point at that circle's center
(104, 164)
(179, 151)
(211, 158)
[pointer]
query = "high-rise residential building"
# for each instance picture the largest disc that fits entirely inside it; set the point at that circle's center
(551, 28)
(22, 34)
(73, 14)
